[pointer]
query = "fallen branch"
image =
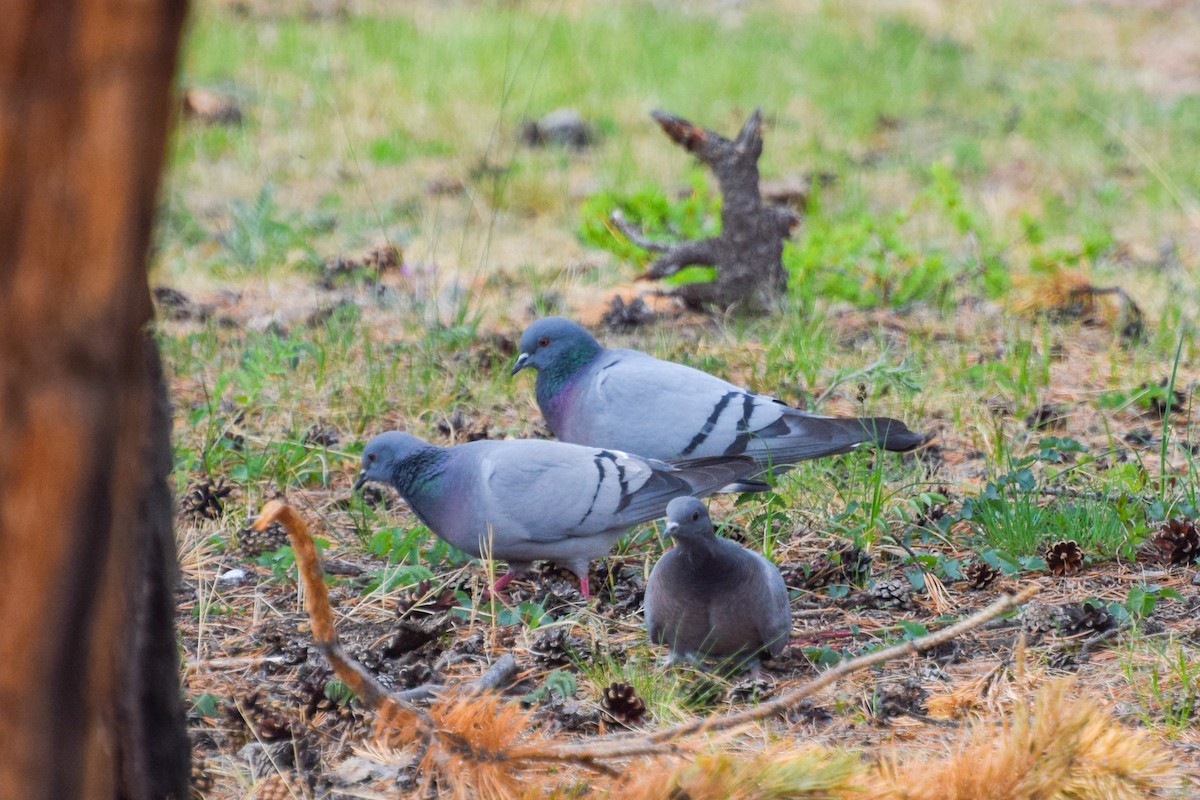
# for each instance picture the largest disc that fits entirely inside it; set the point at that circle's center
(498, 674)
(369, 690)
(627, 745)
(471, 737)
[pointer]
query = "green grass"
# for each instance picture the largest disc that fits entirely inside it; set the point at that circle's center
(1166, 683)
(916, 126)
(971, 166)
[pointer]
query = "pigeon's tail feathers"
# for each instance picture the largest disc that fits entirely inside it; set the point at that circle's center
(743, 486)
(697, 477)
(708, 475)
(705, 468)
(892, 434)
(800, 436)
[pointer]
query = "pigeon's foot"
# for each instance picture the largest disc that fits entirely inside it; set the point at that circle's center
(494, 591)
(583, 588)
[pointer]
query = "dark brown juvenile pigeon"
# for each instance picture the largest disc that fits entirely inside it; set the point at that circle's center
(709, 597)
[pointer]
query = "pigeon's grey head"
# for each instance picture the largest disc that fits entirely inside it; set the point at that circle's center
(687, 520)
(383, 453)
(555, 341)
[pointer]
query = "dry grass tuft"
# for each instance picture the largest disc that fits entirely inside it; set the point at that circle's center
(783, 771)
(1064, 748)
(997, 691)
(474, 736)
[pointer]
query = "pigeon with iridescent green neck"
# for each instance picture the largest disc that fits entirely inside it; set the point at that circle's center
(631, 401)
(526, 500)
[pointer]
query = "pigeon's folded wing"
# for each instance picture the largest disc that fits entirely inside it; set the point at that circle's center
(543, 491)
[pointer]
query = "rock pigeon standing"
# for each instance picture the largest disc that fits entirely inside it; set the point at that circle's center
(628, 400)
(527, 500)
(709, 597)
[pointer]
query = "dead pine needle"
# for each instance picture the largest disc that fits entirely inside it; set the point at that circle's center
(1062, 748)
(466, 737)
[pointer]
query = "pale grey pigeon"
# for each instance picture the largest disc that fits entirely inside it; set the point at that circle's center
(708, 597)
(526, 500)
(631, 401)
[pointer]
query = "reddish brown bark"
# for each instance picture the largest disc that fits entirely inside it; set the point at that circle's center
(88, 662)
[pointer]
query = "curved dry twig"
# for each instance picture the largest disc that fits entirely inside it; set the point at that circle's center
(626, 745)
(397, 712)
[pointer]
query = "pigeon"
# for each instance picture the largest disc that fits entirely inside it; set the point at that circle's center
(709, 597)
(628, 400)
(525, 500)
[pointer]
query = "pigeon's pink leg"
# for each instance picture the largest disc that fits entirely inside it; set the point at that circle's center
(583, 587)
(498, 585)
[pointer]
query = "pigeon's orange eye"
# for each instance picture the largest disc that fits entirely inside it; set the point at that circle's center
(370, 456)
(695, 516)
(542, 342)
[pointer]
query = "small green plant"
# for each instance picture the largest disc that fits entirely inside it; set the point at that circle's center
(396, 576)
(412, 546)
(695, 216)
(1141, 601)
(399, 147)
(262, 235)
(530, 614)
(207, 705)
(558, 683)
(1007, 515)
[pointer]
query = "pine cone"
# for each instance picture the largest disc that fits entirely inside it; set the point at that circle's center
(253, 543)
(891, 593)
(267, 719)
(205, 499)
(624, 316)
(844, 564)
(461, 429)
(555, 646)
(1178, 541)
(621, 705)
(1039, 618)
(375, 497)
(1064, 558)
(931, 516)
(981, 575)
(1051, 416)
(322, 435)
(1087, 617)
(278, 786)
(899, 701)
(201, 780)
(750, 690)
(423, 599)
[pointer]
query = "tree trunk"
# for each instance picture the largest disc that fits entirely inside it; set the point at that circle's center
(89, 664)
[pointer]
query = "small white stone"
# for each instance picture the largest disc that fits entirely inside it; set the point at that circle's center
(232, 576)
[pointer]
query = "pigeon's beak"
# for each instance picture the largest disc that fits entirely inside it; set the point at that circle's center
(522, 362)
(671, 528)
(362, 479)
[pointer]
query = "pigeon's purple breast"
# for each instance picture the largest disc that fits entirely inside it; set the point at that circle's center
(557, 401)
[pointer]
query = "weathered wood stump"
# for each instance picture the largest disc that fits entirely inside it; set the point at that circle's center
(748, 253)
